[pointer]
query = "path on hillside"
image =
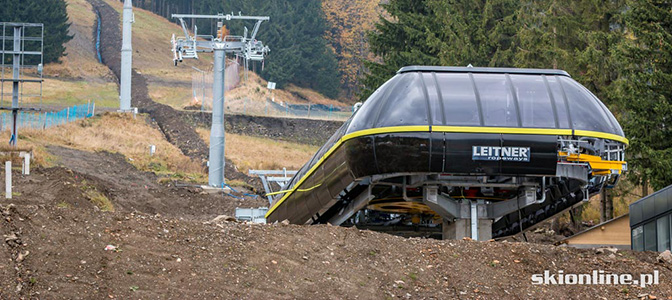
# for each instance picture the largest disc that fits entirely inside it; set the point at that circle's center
(176, 131)
(133, 190)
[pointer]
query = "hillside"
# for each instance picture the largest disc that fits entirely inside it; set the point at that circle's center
(80, 77)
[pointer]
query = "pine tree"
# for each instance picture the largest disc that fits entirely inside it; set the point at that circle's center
(643, 90)
(435, 32)
(52, 13)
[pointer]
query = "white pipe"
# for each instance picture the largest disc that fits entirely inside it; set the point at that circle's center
(26, 164)
(8, 179)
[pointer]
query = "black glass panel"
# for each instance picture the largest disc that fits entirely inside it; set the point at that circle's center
(459, 99)
(499, 108)
(614, 123)
(650, 236)
(536, 109)
(406, 104)
(587, 113)
(560, 103)
(433, 94)
(366, 115)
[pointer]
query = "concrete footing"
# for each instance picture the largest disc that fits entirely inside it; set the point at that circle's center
(215, 190)
(461, 228)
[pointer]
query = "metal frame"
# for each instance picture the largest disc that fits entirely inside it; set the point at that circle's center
(18, 79)
(266, 179)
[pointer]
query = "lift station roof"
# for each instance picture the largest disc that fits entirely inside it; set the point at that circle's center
(467, 97)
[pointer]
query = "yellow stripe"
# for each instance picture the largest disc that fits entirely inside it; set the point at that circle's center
(602, 135)
(459, 129)
(509, 130)
(373, 131)
(544, 131)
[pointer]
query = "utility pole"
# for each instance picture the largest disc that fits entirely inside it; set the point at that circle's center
(190, 45)
(126, 58)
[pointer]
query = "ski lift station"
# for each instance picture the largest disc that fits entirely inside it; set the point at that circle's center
(460, 152)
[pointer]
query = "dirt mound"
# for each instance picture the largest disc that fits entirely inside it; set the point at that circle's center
(303, 131)
(132, 190)
(64, 257)
(169, 120)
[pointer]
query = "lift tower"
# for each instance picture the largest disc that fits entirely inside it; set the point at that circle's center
(190, 45)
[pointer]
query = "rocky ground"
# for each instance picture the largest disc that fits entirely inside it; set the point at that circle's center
(168, 242)
(55, 249)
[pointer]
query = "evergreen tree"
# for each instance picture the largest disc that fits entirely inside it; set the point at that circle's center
(52, 13)
(435, 32)
(643, 90)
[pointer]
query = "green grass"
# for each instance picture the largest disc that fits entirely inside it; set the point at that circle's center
(97, 198)
(69, 93)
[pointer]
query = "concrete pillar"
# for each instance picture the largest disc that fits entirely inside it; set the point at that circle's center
(126, 58)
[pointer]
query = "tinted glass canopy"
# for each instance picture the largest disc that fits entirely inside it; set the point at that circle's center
(484, 97)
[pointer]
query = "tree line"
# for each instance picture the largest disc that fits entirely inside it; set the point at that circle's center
(52, 13)
(619, 49)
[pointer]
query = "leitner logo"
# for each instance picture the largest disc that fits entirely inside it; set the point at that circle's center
(501, 153)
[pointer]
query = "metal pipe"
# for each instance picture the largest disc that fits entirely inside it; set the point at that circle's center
(221, 17)
(216, 159)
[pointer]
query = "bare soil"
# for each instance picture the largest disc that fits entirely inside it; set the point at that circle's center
(57, 251)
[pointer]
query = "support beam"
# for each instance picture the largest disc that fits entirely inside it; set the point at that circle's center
(355, 205)
(16, 73)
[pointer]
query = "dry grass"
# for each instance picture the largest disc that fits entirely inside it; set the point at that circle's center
(97, 198)
(117, 133)
(255, 89)
(152, 49)
(176, 96)
(263, 154)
